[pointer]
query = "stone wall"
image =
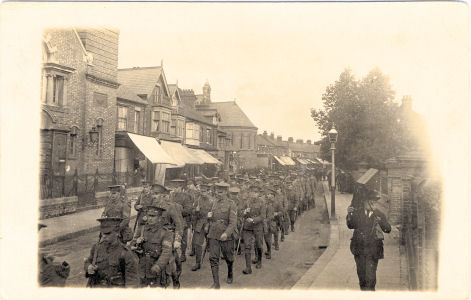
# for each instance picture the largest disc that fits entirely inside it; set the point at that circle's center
(54, 207)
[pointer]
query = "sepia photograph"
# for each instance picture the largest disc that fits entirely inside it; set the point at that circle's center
(263, 149)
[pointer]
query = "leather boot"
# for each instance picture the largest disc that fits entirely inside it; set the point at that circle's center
(255, 259)
(248, 266)
(192, 253)
(276, 242)
(259, 258)
(268, 253)
(229, 272)
(215, 271)
(176, 281)
(198, 253)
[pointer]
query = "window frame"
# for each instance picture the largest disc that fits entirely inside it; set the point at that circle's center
(122, 118)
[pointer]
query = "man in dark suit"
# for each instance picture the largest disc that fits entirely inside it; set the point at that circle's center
(366, 245)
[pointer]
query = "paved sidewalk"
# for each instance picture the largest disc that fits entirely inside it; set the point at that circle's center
(70, 226)
(336, 269)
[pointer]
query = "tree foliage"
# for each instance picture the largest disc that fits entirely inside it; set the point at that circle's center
(366, 118)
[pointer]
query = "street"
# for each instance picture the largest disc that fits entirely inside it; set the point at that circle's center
(297, 254)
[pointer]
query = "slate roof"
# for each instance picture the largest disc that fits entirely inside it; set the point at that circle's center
(261, 140)
(231, 115)
(189, 112)
(303, 147)
(140, 80)
(126, 93)
(172, 88)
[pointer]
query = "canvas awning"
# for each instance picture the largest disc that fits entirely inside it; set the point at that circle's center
(151, 149)
(302, 161)
(288, 161)
(180, 154)
(204, 156)
(279, 160)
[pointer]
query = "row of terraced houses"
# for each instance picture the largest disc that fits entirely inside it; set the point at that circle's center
(93, 113)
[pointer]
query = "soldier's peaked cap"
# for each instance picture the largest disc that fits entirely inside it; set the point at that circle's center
(155, 208)
(234, 190)
(222, 185)
(114, 187)
(159, 187)
(109, 224)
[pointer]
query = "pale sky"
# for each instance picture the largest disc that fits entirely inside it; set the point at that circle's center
(277, 59)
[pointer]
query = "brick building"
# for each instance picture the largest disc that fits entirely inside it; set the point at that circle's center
(240, 131)
(78, 105)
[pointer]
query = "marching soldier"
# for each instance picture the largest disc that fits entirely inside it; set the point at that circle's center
(202, 208)
(154, 246)
(51, 273)
(119, 206)
(254, 215)
(172, 213)
(270, 225)
(142, 202)
(277, 214)
(293, 203)
(181, 196)
(223, 218)
(111, 263)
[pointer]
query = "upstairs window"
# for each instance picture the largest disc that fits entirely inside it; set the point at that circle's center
(137, 119)
(122, 118)
(155, 121)
(53, 89)
(165, 122)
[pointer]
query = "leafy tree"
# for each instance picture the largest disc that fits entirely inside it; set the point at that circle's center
(365, 115)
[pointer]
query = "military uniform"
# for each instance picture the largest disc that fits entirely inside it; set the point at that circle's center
(155, 248)
(367, 242)
(293, 203)
(270, 225)
(173, 213)
(223, 220)
(202, 207)
(186, 200)
(254, 209)
(111, 264)
(119, 206)
(142, 202)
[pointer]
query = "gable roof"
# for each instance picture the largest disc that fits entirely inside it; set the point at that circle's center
(172, 89)
(231, 115)
(141, 80)
(261, 140)
(126, 93)
(189, 112)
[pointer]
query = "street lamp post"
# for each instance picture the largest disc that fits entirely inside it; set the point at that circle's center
(333, 139)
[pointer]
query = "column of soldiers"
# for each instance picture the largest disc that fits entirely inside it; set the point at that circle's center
(243, 215)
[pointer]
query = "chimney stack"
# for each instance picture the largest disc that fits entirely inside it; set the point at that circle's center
(290, 139)
(265, 133)
(279, 138)
(308, 142)
(299, 141)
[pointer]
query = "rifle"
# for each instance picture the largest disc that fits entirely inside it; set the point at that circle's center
(240, 235)
(137, 220)
(93, 278)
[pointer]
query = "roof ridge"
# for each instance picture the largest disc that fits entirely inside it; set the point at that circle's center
(139, 68)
